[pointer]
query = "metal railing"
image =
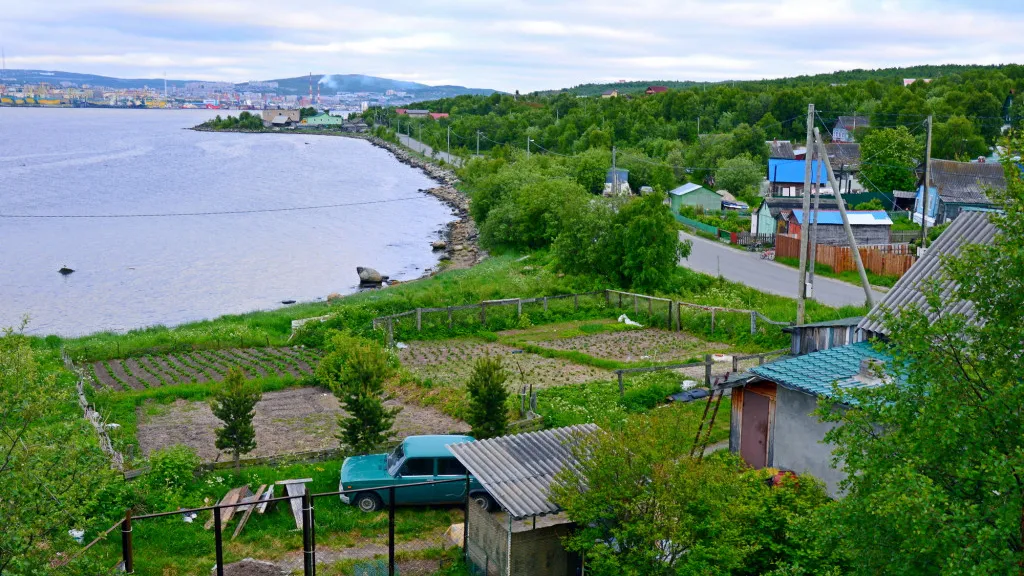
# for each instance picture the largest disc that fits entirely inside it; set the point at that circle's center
(308, 521)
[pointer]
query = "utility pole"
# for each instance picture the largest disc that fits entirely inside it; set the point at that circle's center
(806, 228)
(449, 143)
(615, 175)
(927, 183)
(813, 256)
(846, 222)
(527, 146)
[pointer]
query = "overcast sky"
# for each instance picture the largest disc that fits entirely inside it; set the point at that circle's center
(508, 45)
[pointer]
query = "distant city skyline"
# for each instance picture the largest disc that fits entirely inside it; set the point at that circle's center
(521, 45)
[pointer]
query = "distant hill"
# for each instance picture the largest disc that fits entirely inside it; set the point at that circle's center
(331, 83)
(883, 75)
(334, 83)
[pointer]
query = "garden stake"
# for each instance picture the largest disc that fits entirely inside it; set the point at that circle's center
(126, 543)
(218, 541)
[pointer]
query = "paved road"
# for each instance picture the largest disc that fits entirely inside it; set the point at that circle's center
(747, 268)
(427, 150)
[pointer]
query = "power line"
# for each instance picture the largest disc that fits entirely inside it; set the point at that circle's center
(211, 213)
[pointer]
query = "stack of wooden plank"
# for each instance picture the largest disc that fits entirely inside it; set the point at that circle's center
(247, 501)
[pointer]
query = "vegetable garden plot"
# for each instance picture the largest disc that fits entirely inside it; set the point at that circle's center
(451, 362)
(645, 345)
(199, 366)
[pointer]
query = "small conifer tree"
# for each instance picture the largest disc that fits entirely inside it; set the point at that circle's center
(235, 405)
(488, 397)
(358, 382)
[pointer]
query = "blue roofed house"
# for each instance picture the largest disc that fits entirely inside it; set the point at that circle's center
(695, 195)
(617, 178)
(956, 187)
(773, 424)
(764, 220)
(786, 177)
(870, 227)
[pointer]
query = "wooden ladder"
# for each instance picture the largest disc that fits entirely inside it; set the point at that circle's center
(716, 398)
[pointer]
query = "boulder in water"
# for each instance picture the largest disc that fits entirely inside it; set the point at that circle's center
(438, 244)
(65, 270)
(369, 276)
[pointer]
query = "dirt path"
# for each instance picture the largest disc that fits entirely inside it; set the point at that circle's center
(287, 421)
(368, 550)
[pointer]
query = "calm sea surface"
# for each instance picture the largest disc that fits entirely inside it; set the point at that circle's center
(135, 272)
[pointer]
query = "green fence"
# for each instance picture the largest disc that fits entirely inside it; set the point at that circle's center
(707, 228)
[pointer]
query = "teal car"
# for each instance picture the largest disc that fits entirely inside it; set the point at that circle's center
(416, 460)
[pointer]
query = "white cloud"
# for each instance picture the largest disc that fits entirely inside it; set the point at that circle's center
(517, 44)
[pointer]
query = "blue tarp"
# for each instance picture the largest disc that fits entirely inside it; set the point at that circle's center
(792, 171)
(857, 217)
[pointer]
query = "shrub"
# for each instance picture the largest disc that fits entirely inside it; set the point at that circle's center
(172, 468)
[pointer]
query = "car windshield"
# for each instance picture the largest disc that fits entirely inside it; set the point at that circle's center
(395, 456)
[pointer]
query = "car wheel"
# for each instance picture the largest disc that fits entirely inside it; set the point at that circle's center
(368, 502)
(484, 501)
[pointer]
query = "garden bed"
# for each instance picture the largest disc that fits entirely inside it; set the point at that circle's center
(451, 362)
(638, 345)
(199, 366)
(286, 421)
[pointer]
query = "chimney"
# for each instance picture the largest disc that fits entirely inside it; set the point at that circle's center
(872, 371)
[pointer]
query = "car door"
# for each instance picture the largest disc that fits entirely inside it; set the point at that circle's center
(449, 468)
(415, 471)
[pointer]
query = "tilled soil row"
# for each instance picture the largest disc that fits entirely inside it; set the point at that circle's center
(200, 366)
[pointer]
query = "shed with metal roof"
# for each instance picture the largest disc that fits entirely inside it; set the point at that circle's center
(525, 536)
(958, 186)
(695, 195)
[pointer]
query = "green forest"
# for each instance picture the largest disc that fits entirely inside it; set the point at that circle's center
(691, 131)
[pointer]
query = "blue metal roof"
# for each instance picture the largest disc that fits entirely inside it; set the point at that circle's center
(817, 372)
(623, 175)
(432, 446)
(857, 217)
(792, 171)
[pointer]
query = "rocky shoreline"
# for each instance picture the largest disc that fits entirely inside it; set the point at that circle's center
(461, 239)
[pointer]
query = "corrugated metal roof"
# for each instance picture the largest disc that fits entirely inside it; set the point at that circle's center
(968, 228)
(792, 171)
(857, 217)
(851, 321)
(966, 182)
(905, 194)
(817, 372)
(777, 204)
(782, 149)
(843, 155)
(517, 470)
(687, 188)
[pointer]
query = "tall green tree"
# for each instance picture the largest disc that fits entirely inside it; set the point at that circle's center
(935, 454)
(890, 157)
(958, 139)
(235, 406)
(740, 175)
(644, 244)
(643, 506)
(488, 397)
(51, 467)
(357, 375)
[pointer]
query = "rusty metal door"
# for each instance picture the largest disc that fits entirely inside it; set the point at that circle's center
(754, 429)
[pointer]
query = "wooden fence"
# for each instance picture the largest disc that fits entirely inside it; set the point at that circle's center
(652, 306)
(708, 363)
(887, 259)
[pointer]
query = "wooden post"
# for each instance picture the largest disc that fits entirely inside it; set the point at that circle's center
(465, 522)
(307, 537)
(636, 307)
(650, 309)
(679, 317)
(391, 332)
(519, 306)
(545, 303)
(735, 364)
(218, 541)
(607, 298)
(576, 302)
(483, 313)
(707, 370)
(760, 359)
(669, 314)
(127, 553)
(620, 299)
(391, 531)
(419, 319)
(753, 322)
(712, 321)
(622, 386)
(449, 317)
